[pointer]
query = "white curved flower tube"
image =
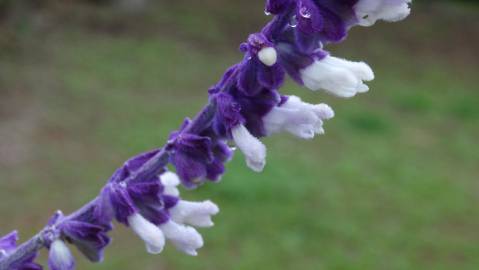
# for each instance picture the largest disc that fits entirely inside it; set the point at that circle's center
(170, 180)
(184, 238)
(253, 149)
(337, 76)
(370, 11)
(60, 257)
(194, 213)
(299, 118)
(148, 232)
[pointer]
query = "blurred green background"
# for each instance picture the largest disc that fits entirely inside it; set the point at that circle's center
(394, 183)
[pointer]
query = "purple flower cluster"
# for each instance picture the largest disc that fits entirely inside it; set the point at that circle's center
(244, 106)
(8, 244)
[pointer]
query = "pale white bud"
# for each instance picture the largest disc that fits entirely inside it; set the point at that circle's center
(298, 118)
(337, 76)
(60, 257)
(370, 11)
(194, 213)
(170, 181)
(184, 238)
(268, 56)
(148, 232)
(253, 149)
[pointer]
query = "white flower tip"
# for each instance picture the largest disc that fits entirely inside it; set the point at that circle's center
(253, 149)
(194, 213)
(211, 207)
(268, 56)
(324, 111)
(60, 257)
(370, 11)
(184, 238)
(363, 71)
(148, 232)
(363, 88)
(337, 76)
(256, 165)
(299, 118)
(190, 252)
(170, 179)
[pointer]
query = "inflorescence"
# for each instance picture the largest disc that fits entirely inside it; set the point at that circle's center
(243, 106)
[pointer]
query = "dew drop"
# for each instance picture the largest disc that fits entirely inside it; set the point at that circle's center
(305, 13)
(293, 22)
(267, 13)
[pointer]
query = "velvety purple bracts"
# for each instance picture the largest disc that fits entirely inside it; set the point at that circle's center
(89, 238)
(253, 74)
(228, 114)
(253, 109)
(136, 197)
(132, 165)
(8, 244)
(196, 157)
(277, 6)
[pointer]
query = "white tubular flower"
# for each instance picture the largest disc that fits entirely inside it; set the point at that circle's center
(268, 56)
(194, 213)
(298, 118)
(337, 76)
(184, 238)
(60, 257)
(369, 11)
(148, 232)
(253, 149)
(170, 180)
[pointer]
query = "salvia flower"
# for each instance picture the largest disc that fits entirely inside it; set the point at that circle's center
(337, 76)
(170, 181)
(298, 118)
(253, 149)
(196, 157)
(184, 238)
(194, 213)
(148, 232)
(91, 239)
(369, 11)
(259, 68)
(60, 257)
(88, 234)
(8, 244)
(244, 106)
(154, 211)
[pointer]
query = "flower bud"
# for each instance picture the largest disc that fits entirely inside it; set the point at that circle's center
(60, 257)
(268, 56)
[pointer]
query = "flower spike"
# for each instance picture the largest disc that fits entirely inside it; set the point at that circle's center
(244, 106)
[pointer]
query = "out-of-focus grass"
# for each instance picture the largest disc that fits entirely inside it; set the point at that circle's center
(392, 185)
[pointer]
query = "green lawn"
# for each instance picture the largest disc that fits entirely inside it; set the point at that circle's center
(394, 183)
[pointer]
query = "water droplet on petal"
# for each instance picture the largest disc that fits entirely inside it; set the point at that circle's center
(305, 13)
(293, 22)
(267, 13)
